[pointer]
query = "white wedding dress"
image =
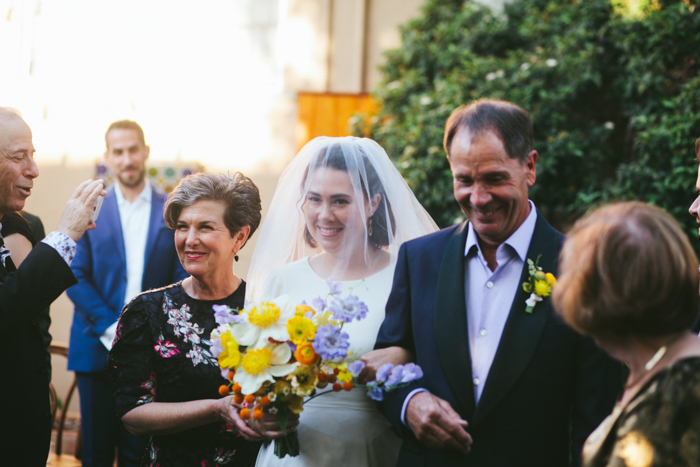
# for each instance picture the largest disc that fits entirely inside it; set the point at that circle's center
(343, 428)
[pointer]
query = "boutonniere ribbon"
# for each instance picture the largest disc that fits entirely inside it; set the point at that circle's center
(539, 284)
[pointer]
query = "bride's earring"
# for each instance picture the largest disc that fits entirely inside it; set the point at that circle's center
(369, 228)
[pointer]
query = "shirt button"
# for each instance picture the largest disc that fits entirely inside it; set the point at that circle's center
(476, 381)
(489, 284)
(483, 332)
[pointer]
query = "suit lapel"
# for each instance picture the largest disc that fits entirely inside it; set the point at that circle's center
(522, 331)
(110, 216)
(450, 323)
(155, 224)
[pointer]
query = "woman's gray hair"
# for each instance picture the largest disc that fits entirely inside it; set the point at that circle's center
(238, 193)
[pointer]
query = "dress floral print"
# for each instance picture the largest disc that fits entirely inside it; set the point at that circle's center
(160, 354)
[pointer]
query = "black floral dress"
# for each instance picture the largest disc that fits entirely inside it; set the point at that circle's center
(161, 353)
(660, 427)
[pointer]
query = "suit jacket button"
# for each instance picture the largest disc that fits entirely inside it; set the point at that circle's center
(42, 368)
(48, 415)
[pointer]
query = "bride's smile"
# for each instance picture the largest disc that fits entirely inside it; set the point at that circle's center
(332, 217)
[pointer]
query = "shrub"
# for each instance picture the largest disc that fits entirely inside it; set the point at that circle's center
(612, 87)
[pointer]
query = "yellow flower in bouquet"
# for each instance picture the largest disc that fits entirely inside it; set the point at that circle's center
(303, 309)
(300, 329)
(304, 380)
(231, 356)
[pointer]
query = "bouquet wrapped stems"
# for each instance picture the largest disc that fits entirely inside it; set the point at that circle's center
(289, 443)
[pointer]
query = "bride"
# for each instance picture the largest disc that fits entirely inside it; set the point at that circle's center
(340, 211)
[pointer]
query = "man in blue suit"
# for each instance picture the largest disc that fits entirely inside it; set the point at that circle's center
(130, 251)
(506, 382)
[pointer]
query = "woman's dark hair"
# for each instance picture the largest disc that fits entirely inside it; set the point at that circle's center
(333, 157)
(238, 193)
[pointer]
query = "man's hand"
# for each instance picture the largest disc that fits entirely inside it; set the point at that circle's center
(436, 424)
(75, 219)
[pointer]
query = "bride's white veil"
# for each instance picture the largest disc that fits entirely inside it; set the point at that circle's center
(284, 237)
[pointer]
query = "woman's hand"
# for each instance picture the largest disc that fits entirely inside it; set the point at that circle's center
(270, 428)
(376, 358)
(228, 411)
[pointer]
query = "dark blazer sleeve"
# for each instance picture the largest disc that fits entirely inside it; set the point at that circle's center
(397, 330)
(598, 383)
(41, 278)
(84, 292)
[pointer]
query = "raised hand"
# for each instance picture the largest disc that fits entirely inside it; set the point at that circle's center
(75, 219)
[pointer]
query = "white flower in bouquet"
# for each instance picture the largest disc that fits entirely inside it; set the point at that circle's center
(266, 320)
(262, 364)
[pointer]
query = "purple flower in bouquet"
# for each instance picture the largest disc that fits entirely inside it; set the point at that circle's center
(383, 372)
(375, 393)
(330, 342)
(411, 372)
(356, 367)
(394, 377)
(223, 315)
(336, 287)
(216, 348)
(348, 308)
(318, 304)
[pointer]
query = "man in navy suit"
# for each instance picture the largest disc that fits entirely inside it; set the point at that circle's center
(504, 384)
(131, 251)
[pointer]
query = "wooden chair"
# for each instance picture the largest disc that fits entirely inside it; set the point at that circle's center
(58, 458)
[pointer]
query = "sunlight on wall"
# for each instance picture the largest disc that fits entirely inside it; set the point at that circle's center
(200, 77)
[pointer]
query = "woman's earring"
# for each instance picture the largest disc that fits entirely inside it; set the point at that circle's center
(369, 229)
(235, 257)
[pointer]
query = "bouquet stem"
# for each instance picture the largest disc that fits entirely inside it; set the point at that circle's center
(289, 443)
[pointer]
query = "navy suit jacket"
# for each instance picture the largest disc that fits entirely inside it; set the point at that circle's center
(100, 267)
(25, 417)
(547, 389)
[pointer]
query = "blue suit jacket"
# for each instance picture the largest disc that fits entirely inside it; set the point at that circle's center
(547, 389)
(100, 267)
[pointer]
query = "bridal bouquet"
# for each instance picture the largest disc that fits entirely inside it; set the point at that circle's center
(277, 353)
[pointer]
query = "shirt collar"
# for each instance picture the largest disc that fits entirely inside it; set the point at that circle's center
(519, 241)
(144, 197)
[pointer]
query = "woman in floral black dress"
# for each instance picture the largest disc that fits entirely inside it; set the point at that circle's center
(167, 379)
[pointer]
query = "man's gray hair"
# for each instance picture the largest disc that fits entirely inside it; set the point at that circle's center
(238, 193)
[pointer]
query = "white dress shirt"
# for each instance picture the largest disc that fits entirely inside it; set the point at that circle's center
(134, 218)
(489, 297)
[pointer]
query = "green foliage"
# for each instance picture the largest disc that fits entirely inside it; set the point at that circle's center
(612, 87)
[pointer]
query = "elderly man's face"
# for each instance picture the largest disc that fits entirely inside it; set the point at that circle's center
(17, 167)
(490, 187)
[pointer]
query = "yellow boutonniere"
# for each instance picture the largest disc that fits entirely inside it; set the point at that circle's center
(539, 284)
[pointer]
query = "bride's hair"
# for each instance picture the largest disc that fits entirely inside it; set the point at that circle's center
(332, 157)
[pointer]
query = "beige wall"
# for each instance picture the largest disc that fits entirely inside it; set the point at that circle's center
(337, 44)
